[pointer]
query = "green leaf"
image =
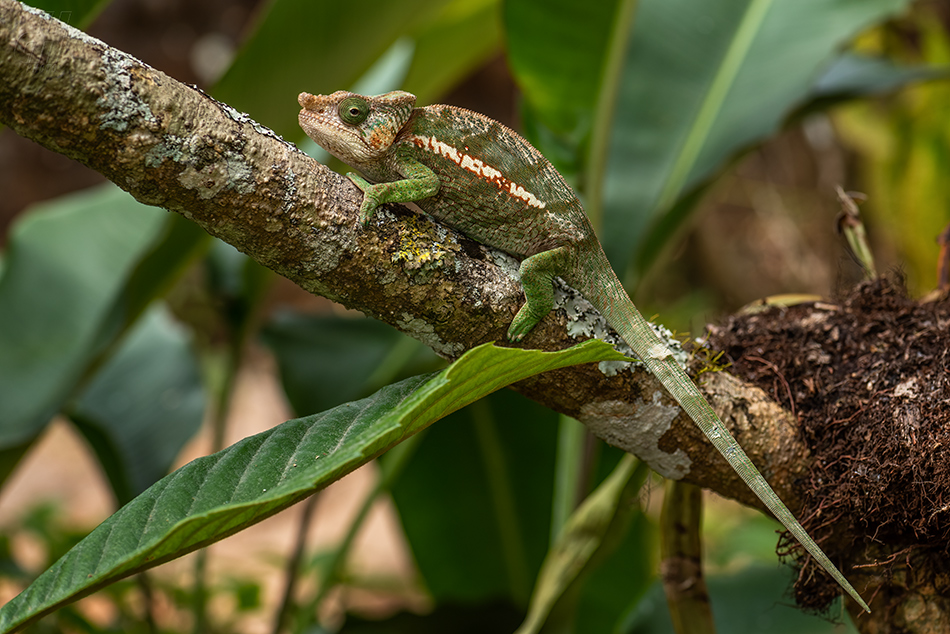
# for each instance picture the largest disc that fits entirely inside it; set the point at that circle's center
(67, 266)
(325, 361)
(852, 75)
(178, 243)
(557, 50)
(753, 600)
(569, 69)
(619, 580)
(570, 458)
(471, 29)
(441, 618)
(316, 46)
(218, 495)
(482, 481)
(704, 79)
(143, 406)
(591, 532)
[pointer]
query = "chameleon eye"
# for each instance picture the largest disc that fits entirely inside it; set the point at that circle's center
(353, 110)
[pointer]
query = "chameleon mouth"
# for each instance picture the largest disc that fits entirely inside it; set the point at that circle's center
(316, 121)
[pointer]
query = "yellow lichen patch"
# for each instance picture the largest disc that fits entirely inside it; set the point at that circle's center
(420, 243)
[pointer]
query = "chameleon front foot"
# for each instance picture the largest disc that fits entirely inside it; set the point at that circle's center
(370, 201)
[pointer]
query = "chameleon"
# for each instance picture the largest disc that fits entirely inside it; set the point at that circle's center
(478, 176)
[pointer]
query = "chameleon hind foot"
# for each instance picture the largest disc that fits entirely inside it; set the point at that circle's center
(522, 324)
(537, 278)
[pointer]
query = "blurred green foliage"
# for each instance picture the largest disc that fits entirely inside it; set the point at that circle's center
(642, 105)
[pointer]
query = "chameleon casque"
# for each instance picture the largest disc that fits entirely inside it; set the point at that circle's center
(478, 176)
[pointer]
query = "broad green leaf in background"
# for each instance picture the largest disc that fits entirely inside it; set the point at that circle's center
(496, 616)
(698, 86)
(67, 265)
(619, 579)
(570, 467)
(605, 514)
(852, 75)
(475, 501)
(325, 361)
(567, 58)
(557, 51)
(176, 246)
(218, 495)
(143, 406)
(317, 46)
(471, 29)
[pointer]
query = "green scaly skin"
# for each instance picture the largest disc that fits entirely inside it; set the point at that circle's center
(478, 176)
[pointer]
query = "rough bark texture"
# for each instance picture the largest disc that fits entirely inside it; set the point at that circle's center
(173, 146)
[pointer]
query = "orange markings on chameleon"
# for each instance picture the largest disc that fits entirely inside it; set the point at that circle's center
(477, 167)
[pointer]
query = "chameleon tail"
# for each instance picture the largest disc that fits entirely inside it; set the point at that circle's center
(599, 284)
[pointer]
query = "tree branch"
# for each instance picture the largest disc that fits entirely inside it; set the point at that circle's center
(172, 146)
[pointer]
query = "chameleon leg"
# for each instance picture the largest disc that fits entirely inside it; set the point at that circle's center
(537, 273)
(419, 182)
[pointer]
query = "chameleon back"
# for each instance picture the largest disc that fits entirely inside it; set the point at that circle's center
(509, 197)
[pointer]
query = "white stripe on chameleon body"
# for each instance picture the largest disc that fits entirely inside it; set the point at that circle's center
(478, 167)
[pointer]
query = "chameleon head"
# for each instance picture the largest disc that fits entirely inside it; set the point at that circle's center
(355, 129)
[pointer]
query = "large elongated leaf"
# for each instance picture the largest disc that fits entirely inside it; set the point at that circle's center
(325, 361)
(471, 29)
(704, 79)
(218, 495)
(482, 479)
(605, 513)
(66, 267)
(314, 45)
(852, 76)
(558, 50)
(751, 600)
(144, 404)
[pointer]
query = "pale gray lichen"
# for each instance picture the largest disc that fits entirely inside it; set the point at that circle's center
(423, 331)
(583, 320)
(672, 347)
(509, 265)
(232, 172)
(169, 147)
(120, 103)
(637, 428)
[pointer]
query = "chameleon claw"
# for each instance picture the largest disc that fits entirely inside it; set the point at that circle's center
(367, 211)
(524, 322)
(370, 202)
(519, 328)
